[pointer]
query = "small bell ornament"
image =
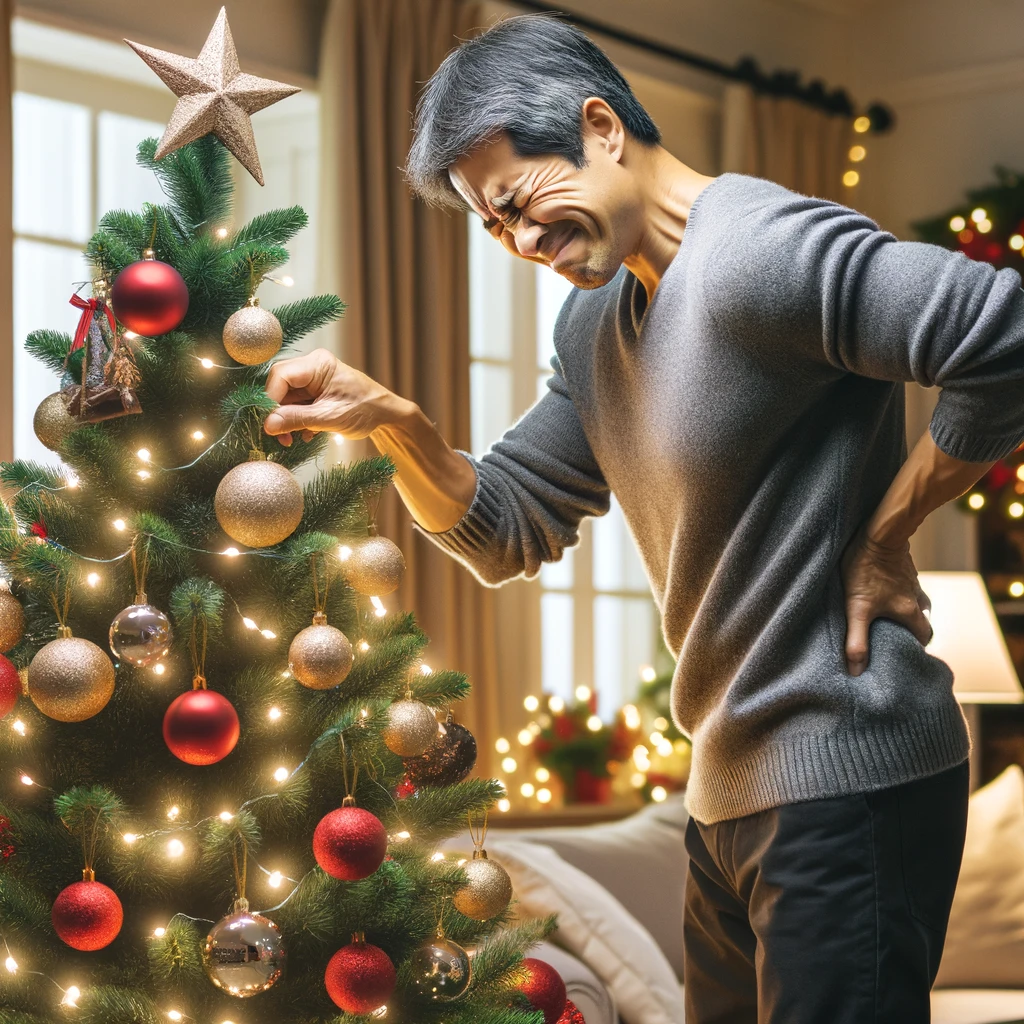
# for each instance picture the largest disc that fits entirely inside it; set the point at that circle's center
(244, 953)
(259, 503)
(411, 729)
(375, 566)
(441, 970)
(252, 335)
(140, 634)
(70, 679)
(320, 656)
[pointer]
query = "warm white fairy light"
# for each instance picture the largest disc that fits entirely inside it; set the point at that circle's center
(542, 775)
(130, 335)
(71, 481)
(159, 668)
(159, 932)
(19, 727)
(249, 624)
(120, 524)
(527, 789)
(175, 848)
(642, 758)
(976, 500)
(11, 964)
(226, 816)
(275, 879)
(286, 674)
(648, 674)
(231, 552)
(338, 439)
(957, 223)
(344, 553)
(509, 765)
(268, 634)
(221, 232)
(364, 713)
(403, 836)
(281, 774)
(174, 1014)
(502, 745)
(583, 693)
(206, 364)
(198, 435)
(658, 794)
(363, 646)
(594, 724)
(144, 454)
(173, 812)
(665, 748)
(504, 805)
(661, 724)
(531, 703)
(274, 714)
(1016, 588)
(71, 996)
(143, 474)
(656, 737)
(631, 716)
(27, 780)
(638, 780)
(378, 607)
(437, 857)
(1016, 510)
(556, 705)
(525, 737)
(288, 281)
(93, 579)
(544, 796)
(978, 214)
(426, 670)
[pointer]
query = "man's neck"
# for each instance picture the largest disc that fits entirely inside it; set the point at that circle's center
(670, 189)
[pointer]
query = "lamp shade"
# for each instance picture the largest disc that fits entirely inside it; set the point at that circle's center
(967, 637)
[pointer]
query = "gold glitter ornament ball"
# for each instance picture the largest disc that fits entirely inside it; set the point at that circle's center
(375, 567)
(411, 728)
(320, 657)
(259, 504)
(252, 335)
(70, 679)
(488, 889)
(12, 620)
(53, 423)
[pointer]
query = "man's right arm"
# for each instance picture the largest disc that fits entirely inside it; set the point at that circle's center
(502, 515)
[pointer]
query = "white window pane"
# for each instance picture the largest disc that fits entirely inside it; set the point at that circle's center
(44, 278)
(625, 639)
(552, 290)
(617, 565)
(52, 168)
(490, 294)
(558, 575)
(556, 642)
(490, 394)
(123, 184)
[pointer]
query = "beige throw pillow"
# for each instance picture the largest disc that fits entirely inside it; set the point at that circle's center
(985, 941)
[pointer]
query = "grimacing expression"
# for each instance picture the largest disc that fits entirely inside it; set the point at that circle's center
(544, 209)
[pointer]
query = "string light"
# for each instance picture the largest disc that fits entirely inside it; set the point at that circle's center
(93, 579)
(129, 837)
(206, 364)
(159, 668)
(862, 124)
(226, 816)
(984, 226)
(957, 223)
(658, 794)
(288, 281)
(175, 848)
(531, 703)
(1016, 589)
(583, 693)
(594, 724)
(19, 727)
(144, 474)
(638, 780)
(71, 481)
(556, 705)
(338, 439)
(544, 796)
(661, 724)
(363, 646)
(275, 879)
(344, 553)
(426, 670)
(268, 634)
(119, 525)
(527, 789)
(274, 714)
(1016, 510)
(857, 153)
(978, 214)
(198, 435)
(378, 607)
(976, 500)
(437, 857)
(159, 932)
(851, 178)
(509, 765)
(144, 454)
(27, 780)
(281, 774)
(525, 737)
(631, 716)
(403, 836)
(222, 232)
(504, 805)
(502, 745)
(173, 812)
(648, 674)
(71, 996)
(1017, 242)
(542, 775)
(174, 1014)
(231, 552)
(11, 964)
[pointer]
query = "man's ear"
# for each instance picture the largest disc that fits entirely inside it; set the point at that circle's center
(603, 126)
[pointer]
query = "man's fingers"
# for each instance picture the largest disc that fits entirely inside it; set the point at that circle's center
(294, 374)
(289, 418)
(857, 626)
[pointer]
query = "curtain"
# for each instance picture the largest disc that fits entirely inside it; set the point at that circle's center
(6, 239)
(785, 141)
(403, 270)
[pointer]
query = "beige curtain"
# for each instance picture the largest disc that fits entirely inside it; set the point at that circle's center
(6, 240)
(785, 141)
(403, 270)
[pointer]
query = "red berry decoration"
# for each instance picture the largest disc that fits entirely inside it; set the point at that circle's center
(360, 978)
(149, 297)
(8, 848)
(10, 686)
(87, 916)
(571, 1015)
(544, 989)
(201, 727)
(350, 843)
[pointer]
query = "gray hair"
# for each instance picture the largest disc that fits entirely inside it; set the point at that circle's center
(526, 77)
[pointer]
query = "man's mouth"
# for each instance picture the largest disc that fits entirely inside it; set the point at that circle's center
(565, 239)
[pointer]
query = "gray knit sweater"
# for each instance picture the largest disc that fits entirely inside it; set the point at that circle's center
(749, 420)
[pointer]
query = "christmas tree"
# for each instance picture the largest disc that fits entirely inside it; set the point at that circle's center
(234, 815)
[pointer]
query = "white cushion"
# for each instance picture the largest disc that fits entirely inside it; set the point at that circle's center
(977, 1006)
(985, 940)
(594, 926)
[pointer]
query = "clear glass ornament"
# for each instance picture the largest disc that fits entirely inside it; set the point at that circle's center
(441, 970)
(244, 953)
(141, 634)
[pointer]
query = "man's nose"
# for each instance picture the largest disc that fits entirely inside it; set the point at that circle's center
(528, 235)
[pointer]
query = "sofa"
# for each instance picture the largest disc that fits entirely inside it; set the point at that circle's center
(618, 891)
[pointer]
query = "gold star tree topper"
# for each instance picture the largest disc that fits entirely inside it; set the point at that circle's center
(213, 96)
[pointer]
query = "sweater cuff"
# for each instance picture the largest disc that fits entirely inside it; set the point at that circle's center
(968, 448)
(478, 525)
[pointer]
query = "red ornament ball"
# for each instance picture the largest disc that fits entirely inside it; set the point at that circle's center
(87, 916)
(571, 1015)
(350, 844)
(149, 298)
(10, 686)
(544, 989)
(360, 978)
(201, 727)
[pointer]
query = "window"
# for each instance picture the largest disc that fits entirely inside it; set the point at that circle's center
(598, 626)
(81, 106)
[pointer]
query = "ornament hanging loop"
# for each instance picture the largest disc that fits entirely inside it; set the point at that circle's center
(478, 833)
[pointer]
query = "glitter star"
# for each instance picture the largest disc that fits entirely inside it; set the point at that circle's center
(213, 96)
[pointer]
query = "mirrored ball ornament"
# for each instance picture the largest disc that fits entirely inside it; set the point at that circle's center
(441, 970)
(244, 953)
(141, 634)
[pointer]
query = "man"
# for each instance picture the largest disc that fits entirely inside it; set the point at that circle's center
(731, 366)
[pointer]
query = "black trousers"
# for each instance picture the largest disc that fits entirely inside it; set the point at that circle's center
(825, 912)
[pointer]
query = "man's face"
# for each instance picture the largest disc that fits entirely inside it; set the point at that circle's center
(578, 221)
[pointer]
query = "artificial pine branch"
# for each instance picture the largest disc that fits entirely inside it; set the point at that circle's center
(50, 347)
(308, 315)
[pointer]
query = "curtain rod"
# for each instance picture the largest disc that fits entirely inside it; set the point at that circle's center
(746, 70)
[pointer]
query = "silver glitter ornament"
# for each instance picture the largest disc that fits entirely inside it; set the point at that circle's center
(441, 970)
(252, 335)
(320, 657)
(141, 634)
(488, 889)
(244, 953)
(52, 422)
(259, 503)
(411, 728)
(375, 567)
